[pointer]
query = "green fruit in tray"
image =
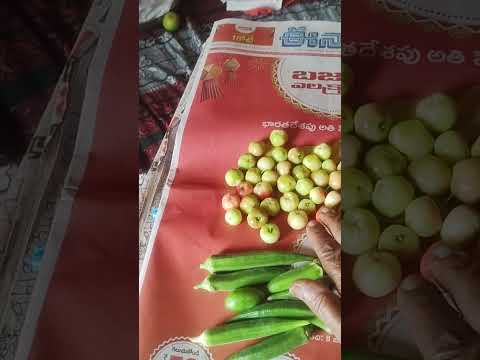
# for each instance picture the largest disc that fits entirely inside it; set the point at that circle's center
(256, 148)
(329, 165)
(377, 274)
(253, 175)
(400, 240)
(279, 154)
(351, 150)
(323, 151)
(257, 218)
(286, 183)
(304, 186)
(270, 233)
(423, 216)
(357, 188)
(248, 203)
(391, 195)
(411, 138)
(360, 229)
(284, 168)
(247, 161)
(317, 195)
(308, 206)
(384, 160)
(461, 227)
(451, 147)
(372, 123)
(301, 172)
(289, 202)
(335, 180)
(233, 177)
(297, 219)
(312, 162)
(271, 206)
(233, 217)
(347, 119)
(332, 199)
(438, 112)
(266, 163)
(278, 137)
(320, 178)
(431, 175)
(270, 176)
(296, 155)
(466, 180)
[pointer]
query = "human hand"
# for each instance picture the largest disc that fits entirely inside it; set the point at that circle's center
(325, 235)
(441, 333)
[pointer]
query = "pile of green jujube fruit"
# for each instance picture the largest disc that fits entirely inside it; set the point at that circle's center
(271, 178)
(409, 178)
(258, 283)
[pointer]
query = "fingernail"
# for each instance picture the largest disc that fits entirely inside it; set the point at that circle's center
(412, 283)
(327, 211)
(442, 252)
(296, 290)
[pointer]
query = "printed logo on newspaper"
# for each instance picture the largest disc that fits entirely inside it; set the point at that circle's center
(314, 86)
(181, 349)
(299, 37)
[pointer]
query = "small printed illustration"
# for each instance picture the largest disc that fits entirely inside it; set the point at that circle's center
(181, 349)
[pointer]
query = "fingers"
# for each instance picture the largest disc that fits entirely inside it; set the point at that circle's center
(439, 331)
(322, 301)
(330, 218)
(328, 252)
(458, 273)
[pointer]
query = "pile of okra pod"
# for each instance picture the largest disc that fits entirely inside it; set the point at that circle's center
(258, 284)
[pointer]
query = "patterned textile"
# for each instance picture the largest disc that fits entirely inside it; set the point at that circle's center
(167, 60)
(36, 37)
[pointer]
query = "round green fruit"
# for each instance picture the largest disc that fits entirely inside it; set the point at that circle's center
(257, 218)
(431, 175)
(308, 206)
(401, 241)
(451, 146)
(279, 154)
(323, 151)
(391, 195)
(438, 112)
(289, 202)
(278, 137)
(286, 183)
(301, 172)
(372, 123)
(270, 233)
(411, 138)
(233, 177)
(423, 216)
(384, 160)
(304, 186)
(171, 21)
(466, 181)
(360, 231)
(461, 227)
(297, 219)
(233, 217)
(377, 274)
(271, 206)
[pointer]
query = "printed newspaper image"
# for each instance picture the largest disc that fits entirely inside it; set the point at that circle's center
(276, 84)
